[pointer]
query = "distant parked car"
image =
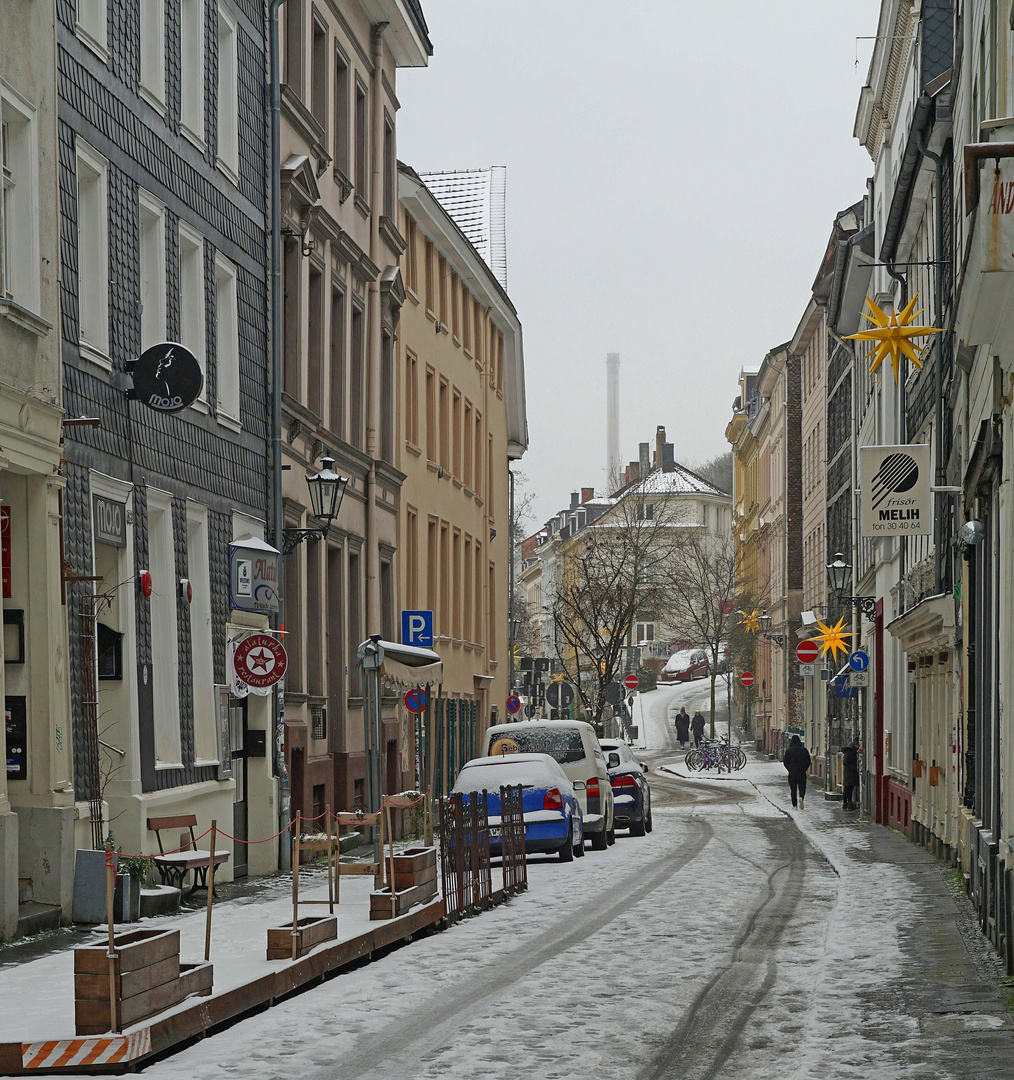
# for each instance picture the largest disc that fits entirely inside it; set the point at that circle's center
(550, 806)
(686, 665)
(723, 658)
(631, 791)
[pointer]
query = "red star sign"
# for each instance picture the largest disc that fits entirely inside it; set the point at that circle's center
(260, 660)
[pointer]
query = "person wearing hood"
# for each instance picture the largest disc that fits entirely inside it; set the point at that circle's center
(697, 727)
(850, 776)
(797, 761)
(683, 727)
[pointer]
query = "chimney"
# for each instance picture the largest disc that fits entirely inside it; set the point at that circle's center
(626, 479)
(668, 460)
(659, 440)
(575, 500)
(644, 449)
(587, 494)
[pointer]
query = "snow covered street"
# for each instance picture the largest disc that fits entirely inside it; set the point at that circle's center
(739, 939)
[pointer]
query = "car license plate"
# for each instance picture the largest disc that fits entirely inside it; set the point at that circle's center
(495, 832)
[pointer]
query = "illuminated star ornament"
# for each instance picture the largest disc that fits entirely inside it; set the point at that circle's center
(832, 638)
(751, 622)
(893, 334)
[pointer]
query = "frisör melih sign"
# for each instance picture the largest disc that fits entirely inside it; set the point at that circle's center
(896, 495)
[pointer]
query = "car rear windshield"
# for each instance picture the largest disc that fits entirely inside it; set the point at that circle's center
(492, 777)
(564, 744)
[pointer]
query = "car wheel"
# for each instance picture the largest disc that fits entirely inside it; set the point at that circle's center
(611, 836)
(648, 823)
(579, 847)
(599, 841)
(567, 851)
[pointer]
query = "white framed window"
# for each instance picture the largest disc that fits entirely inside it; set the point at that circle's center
(153, 283)
(19, 216)
(192, 65)
(152, 48)
(164, 639)
(198, 571)
(93, 253)
(226, 340)
(645, 632)
(228, 97)
(92, 24)
(192, 298)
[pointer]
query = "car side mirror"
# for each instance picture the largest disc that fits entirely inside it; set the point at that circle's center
(644, 768)
(613, 761)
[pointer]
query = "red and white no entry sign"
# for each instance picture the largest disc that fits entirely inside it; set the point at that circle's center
(631, 682)
(806, 652)
(746, 678)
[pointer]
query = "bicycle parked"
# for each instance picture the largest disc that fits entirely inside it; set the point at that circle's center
(717, 754)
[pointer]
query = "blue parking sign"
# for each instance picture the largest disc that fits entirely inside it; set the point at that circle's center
(417, 628)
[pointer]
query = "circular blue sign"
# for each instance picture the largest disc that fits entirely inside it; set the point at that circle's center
(859, 661)
(513, 704)
(415, 701)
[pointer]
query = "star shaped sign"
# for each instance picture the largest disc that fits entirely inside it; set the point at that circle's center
(751, 621)
(260, 660)
(832, 638)
(893, 334)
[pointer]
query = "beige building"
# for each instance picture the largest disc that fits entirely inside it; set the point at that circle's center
(461, 402)
(342, 297)
(36, 790)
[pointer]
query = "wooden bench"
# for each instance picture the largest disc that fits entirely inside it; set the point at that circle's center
(173, 866)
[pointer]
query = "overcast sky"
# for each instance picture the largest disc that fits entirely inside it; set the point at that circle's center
(673, 171)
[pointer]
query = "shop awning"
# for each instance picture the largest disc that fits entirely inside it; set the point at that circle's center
(402, 665)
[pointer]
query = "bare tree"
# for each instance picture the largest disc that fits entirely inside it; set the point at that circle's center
(701, 588)
(612, 575)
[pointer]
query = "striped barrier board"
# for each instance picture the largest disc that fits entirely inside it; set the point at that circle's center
(94, 1050)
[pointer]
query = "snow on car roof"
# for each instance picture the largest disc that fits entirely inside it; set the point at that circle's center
(532, 770)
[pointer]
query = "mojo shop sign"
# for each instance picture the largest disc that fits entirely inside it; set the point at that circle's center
(167, 377)
(896, 496)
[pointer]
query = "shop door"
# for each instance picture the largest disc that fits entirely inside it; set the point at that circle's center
(237, 738)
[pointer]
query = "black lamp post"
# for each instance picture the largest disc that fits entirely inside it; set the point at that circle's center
(765, 622)
(838, 571)
(326, 491)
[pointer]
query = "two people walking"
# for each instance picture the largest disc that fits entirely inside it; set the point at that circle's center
(797, 761)
(685, 727)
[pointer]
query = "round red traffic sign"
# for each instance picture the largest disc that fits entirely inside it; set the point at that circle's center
(415, 700)
(260, 660)
(746, 678)
(631, 682)
(513, 704)
(807, 652)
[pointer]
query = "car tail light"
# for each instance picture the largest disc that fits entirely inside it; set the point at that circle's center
(593, 788)
(553, 800)
(623, 781)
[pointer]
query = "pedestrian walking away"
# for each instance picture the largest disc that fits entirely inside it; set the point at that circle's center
(697, 727)
(850, 776)
(683, 727)
(797, 762)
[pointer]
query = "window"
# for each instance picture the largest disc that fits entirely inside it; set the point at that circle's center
(152, 49)
(226, 338)
(455, 308)
(92, 21)
(442, 271)
(362, 143)
(292, 268)
(455, 619)
(489, 479)
(356, 377)
(466, 439)
(477, 329)
(294, 46)
(355, 622)
(477, 461)
(164, 639)
(431, 414)
(456, 434)
(430, 291)
(466, 599)
(341, 113)
(432, 557)
(390, 172)
(192, 69)
(294, 598)
(479, 621)
(336, 641)
(315, 342)
(411, 256)
(152, 264)
(645, 631)
(387, 599)
(387, 417)
(445, 426)
(198, 563)
(19, 230)
(192, 298)
(228, 98)
(411, 398)
(411, 558)
(318, 74)
(445, 580)
(92, 252)
(338, 363)
(314, 617)
(466, 322)
(491, 603)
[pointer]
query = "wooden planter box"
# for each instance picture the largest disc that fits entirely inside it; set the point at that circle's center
(380, 901)
(311, 931)
(147, 974)
(416, 866)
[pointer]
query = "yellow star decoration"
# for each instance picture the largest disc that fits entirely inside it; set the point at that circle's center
(893, 333)
(751, 622)
(832, 638)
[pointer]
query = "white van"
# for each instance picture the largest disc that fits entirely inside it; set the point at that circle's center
(574, 744)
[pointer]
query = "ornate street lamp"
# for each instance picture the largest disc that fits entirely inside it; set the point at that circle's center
(765, 622)
(838, 571)
(326, 491)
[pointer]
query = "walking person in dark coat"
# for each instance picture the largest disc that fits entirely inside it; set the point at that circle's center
(683, 727)
(850, 776)
(796, 762)
(697, 727)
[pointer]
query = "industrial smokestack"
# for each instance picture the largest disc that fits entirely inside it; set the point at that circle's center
(613, 464)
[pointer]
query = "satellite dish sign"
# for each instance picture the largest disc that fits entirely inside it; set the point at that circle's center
(167, 377)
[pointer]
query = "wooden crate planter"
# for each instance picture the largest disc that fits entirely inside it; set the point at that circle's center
(416, 866)
(310, 931)
(381, 906)
(148, 978)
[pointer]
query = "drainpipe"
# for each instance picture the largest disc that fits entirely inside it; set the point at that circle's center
(284, 858)
(902, 430)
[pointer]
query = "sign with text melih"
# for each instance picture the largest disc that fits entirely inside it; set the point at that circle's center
(896, 495)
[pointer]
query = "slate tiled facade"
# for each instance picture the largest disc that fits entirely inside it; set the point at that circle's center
(192, 455)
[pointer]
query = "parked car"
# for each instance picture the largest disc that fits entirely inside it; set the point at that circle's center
(548, 800)
(685, 665)
(631, 791)
(723, 658)
(575, 746)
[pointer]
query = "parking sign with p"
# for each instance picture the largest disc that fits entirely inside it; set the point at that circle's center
(417, 628)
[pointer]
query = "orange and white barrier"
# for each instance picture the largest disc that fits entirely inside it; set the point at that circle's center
(95, 1050)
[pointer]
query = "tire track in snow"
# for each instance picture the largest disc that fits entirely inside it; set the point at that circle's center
(715, 1022)
(437, 1022)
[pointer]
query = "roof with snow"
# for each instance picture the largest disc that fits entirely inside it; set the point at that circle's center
(476, 200)
(681, 481)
